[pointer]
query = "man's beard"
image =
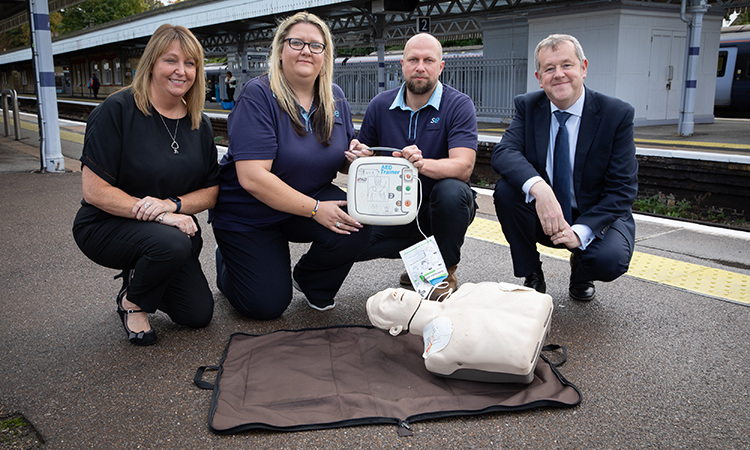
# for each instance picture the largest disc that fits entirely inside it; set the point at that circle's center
(418, 89)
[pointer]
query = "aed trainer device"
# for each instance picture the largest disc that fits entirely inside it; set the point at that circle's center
(382, 190)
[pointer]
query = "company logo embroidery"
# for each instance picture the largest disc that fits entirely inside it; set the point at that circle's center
(336, 113)
(435, 120)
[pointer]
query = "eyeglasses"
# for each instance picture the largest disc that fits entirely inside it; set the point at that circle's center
(299, 45)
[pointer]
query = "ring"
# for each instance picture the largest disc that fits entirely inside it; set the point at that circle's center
(563, 232)
(147, 205)
(338, 224)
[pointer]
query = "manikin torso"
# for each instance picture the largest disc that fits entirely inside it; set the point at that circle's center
(483, 332)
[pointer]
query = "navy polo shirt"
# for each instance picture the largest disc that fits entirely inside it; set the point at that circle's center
(448, 120)
(260, 130)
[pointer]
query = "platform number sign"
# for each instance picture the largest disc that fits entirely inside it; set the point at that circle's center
(423, 24)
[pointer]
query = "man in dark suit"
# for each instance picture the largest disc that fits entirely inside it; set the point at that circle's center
(580, 201)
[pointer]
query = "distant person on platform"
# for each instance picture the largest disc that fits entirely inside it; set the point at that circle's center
(231, 83)
(94, 85)
(435, 127)
(569, 174)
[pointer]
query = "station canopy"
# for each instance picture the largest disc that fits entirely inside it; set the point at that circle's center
(355, 23)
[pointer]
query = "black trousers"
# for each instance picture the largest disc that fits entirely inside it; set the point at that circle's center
(168, 274)
(605, 258)
(446, 214)
(254, 267)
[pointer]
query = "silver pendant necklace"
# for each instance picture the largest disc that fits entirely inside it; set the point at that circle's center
(175, 145)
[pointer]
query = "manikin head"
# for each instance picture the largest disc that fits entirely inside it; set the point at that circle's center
(391, 309)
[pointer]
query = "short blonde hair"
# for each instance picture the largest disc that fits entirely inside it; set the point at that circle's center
(323, 91)
(159, 43)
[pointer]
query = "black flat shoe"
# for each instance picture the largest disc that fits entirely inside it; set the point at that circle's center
(141, 338)
(536, 280)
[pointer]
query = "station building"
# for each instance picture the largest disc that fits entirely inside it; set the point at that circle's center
(637, 49)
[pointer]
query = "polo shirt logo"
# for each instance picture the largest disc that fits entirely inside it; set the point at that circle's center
(435, 120)
(336, 113)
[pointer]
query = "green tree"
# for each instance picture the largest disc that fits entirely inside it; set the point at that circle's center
(96, 12)
(17, 37)
(21, 36)
(743, 19)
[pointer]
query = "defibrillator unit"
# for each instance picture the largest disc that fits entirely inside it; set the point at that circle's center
(382, 190)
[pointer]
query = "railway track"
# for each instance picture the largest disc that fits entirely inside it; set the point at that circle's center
(717, 190)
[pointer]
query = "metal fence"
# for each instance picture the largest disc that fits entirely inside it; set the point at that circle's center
(491, 83)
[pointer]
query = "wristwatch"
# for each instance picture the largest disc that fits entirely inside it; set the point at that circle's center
(178, 202)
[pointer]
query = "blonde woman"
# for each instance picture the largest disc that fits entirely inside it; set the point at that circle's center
(288, 133)
(149, 165)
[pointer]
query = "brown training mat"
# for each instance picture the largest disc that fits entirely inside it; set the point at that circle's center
(344, 376)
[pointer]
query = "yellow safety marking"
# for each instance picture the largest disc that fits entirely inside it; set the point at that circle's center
(695, 278)
(693, 144)
(731, 286)
(64, 135)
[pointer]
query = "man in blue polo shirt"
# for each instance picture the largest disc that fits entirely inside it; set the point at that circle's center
(435, 126)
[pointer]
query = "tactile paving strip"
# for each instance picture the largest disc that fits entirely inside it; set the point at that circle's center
(695, 278)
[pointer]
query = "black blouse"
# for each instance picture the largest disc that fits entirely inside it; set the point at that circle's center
(133, 152)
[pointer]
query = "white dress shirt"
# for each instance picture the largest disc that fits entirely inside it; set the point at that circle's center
(573, 124)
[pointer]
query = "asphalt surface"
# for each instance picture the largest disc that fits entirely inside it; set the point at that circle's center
(658, 367)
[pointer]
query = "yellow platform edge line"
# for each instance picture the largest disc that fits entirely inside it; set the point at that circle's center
(691, 143)
(685, 276)
(717, 283)
(64, 135)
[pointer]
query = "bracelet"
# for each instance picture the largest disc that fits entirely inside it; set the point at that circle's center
(315, 210)
(160, 217)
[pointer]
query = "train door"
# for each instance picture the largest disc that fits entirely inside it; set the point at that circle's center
(665, 75)
(724, 75)
(741, 83)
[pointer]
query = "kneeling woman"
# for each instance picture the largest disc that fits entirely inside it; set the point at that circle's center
(149, 164)
(288, 134)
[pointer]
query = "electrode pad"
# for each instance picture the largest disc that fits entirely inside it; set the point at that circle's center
(382, 190)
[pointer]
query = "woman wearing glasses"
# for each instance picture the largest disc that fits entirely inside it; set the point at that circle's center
(289, 132)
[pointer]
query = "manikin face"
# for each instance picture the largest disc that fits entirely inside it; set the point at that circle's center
(392, 308)
(422, 64)
(173, 73)
(561, 74)
(302, 64)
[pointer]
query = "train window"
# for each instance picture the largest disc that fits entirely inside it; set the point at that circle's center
(722, 68)
(117, 71)
(106, 72)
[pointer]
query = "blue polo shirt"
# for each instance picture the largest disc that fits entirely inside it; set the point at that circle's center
(448, 120)
(260, 130)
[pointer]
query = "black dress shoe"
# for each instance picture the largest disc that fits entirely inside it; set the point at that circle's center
(141, 338)
(536, 280)
(583, 291)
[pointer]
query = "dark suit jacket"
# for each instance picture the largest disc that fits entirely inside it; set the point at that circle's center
(605, 174)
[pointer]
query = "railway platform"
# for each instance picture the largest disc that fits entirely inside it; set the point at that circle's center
(660, 356)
